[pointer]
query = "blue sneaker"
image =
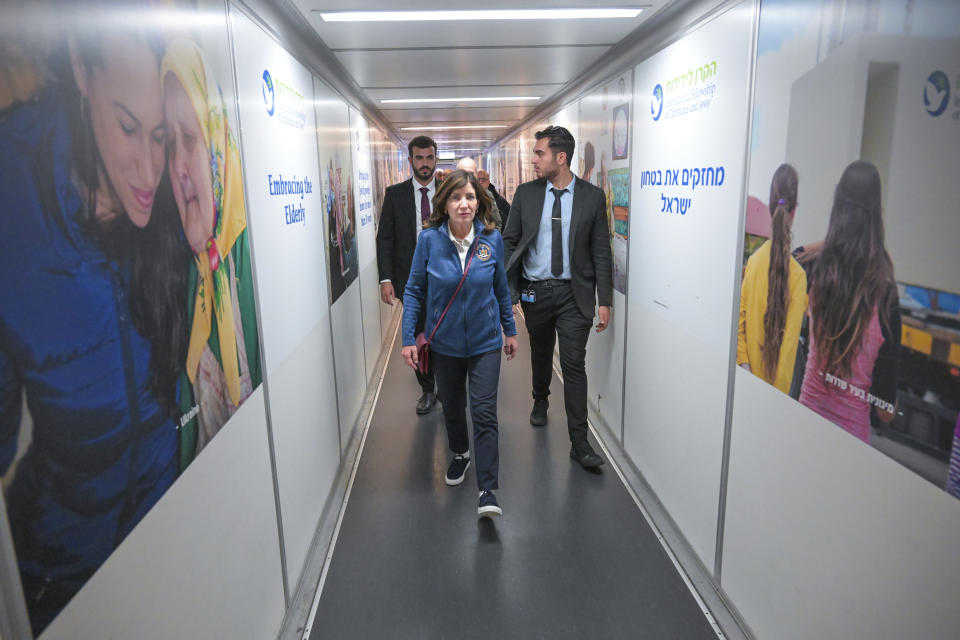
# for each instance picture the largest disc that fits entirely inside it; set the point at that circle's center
(488, 507)
(457, 470)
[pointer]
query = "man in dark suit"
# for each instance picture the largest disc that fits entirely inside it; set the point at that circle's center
(559, 263)
(406, 207)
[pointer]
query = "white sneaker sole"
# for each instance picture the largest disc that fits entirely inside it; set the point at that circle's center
(452, 482)
(489, 511)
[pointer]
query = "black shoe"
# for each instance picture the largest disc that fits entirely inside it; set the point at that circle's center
(426, 402)
(586, 456)
(457, 470)
(538, 417)
(488, 507)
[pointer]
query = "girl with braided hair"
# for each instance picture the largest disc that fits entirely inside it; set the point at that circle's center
(773, 296)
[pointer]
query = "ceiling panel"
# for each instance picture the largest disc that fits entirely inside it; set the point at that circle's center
(462, 91)
(468, 66)
(469, 114)
(483, 33)
(416, 5)
(460, 59)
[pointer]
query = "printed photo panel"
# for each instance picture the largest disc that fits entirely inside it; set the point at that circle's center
(128, 329)
(850, 300)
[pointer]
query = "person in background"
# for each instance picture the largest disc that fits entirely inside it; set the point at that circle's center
(404, 214)
(458, 281)
(854, 311)
(588, 161)
(559, 263)
(223, 352)
(470, 166)
(773, 295)
(502, 205)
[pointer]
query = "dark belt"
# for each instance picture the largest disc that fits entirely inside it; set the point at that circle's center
(550, 283)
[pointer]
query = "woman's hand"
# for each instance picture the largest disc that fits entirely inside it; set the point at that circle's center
(410, 356)
(510, 347)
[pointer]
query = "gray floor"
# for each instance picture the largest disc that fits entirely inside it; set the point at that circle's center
(571, 557)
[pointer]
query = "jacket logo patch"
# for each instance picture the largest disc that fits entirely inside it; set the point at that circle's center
(483, 253)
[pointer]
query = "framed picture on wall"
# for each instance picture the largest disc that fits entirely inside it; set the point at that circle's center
(621, 131)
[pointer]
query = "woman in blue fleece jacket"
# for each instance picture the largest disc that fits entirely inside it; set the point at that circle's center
(463, 238)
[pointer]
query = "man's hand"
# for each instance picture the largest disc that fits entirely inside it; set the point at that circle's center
(386, 293)
(510, 347)
(410, 356)
(604, 318)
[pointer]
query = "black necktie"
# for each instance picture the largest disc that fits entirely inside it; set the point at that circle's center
(556, 257)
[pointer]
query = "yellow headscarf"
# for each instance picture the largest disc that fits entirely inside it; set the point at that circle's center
(185, 59)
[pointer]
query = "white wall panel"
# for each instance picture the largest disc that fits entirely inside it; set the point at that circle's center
(691, 106)
(349, 358)
(205, 562)
(674, 423)
(306, 437)
(827, 538)
(279, 139)
(366, 240)
(605, 366)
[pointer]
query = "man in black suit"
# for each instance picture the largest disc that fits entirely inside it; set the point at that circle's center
(559, 263)
(406, 207)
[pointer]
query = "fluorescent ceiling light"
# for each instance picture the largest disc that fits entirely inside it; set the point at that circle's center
(495, 99)
(464, 126)
(498, 14)
(446, 155)
(463, 141)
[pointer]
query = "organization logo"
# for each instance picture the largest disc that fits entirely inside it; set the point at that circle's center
(656, 103)
(936, 93)
(483, 252)
(266, 89)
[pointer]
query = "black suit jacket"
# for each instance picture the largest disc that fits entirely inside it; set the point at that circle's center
(591, 259)
(397, 234)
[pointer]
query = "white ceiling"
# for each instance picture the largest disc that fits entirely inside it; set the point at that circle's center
(467, 59)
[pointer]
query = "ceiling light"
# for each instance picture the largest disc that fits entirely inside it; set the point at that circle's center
(499, 14)
(464, 126)
(463, 141)
(446, 155)
(496, 99)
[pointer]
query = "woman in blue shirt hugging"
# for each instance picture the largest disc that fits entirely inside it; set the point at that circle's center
(464, 316)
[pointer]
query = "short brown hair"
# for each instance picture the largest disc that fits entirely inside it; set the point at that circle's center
(457, 180)
(421, 142)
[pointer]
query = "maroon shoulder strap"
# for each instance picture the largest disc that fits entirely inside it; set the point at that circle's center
(466, 269)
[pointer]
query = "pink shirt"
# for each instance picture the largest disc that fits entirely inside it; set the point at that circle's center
(844, 401)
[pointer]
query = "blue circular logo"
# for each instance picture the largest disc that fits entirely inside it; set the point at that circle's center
(266, 88)
(936, 93)
(656, 103)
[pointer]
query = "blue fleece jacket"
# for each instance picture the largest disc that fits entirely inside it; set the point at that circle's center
(472, 325)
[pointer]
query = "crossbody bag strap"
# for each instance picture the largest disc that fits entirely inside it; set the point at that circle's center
(460, 284)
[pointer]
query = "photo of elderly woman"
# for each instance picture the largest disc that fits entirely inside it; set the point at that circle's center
(123, 253)
(223, 354)
(88, 441)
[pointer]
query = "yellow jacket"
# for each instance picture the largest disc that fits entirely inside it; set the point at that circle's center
(753, 306)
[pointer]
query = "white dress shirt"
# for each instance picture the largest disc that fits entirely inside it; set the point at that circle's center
(462, 246)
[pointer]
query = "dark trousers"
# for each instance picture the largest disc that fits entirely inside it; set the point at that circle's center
(425, 379)
(555, 315)
(484, 373)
